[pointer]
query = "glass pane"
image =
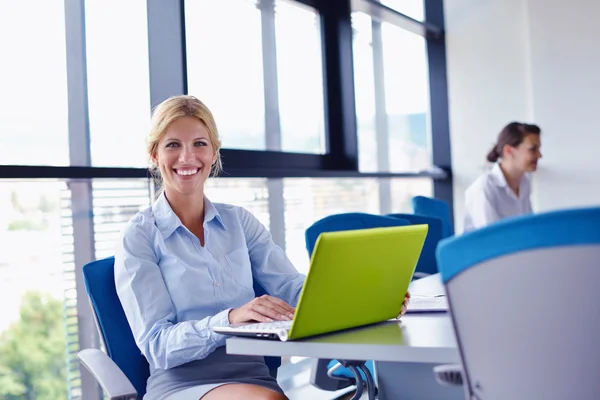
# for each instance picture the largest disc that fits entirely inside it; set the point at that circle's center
(405, 132)
(307, 200)
(118, 81)
(32, 322)
(364, 87)
(33, 82)
(403, 190)
(39, 319)
(252, 194)
(225, 70)
(407, 99)
(300, 75)
(113, 203)
(232, 81)
(412, 8)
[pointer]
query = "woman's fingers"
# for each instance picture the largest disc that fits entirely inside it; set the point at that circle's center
(269, 312)
(285, 308)
(257, 316)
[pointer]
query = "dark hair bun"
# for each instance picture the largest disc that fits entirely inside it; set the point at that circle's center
(493, 155)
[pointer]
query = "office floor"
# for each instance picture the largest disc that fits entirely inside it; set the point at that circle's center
(294, 379)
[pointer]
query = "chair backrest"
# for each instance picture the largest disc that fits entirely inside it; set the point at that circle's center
(427, 262)
(522, 300)
(99, 278)
(347, 222)
(435, 208)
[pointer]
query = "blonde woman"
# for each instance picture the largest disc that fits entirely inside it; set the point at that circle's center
(186, 264)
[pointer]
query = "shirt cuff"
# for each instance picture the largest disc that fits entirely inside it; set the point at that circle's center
(220, 319)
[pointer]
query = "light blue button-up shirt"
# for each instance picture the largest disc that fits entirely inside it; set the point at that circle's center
(173, 290)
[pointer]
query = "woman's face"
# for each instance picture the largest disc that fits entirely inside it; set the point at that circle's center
(184, 156)
(526, 155)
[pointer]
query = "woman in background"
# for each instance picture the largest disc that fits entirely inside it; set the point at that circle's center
(505, 190)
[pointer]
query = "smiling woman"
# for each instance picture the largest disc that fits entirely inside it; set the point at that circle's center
(179, 122)
(186, 264)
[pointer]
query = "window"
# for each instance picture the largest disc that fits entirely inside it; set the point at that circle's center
(90, 231)
(33, 106)
(299, 69)
(255, 64)
(118, 82)
(307, 200)
(252, 194)
(412, 8)
(33, 338)
(392, 90)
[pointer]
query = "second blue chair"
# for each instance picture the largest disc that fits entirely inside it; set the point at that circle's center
(342, 377)
(435, 208)
(427, 264)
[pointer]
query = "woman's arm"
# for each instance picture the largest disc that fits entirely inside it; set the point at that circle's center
(152, 317)
(270, 266)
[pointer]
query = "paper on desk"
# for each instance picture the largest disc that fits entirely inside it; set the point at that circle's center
(428, 294)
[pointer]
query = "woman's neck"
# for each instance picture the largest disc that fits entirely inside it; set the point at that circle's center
(189, 208)
(513, 176)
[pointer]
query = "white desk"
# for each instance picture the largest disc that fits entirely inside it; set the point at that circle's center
(404, 351)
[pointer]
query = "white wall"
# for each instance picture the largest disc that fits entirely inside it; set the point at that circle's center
(536, 61)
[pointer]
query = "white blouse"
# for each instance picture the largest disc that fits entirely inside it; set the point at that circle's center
(490, 199)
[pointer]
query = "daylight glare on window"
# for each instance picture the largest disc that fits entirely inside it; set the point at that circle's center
(255, 65)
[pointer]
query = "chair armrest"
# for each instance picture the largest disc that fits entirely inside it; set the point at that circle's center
(112, 380)
(449, 374)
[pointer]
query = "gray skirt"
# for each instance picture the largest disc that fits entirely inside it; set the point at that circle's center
(194, 379)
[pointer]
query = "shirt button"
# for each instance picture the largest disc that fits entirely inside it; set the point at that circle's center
(217, 284)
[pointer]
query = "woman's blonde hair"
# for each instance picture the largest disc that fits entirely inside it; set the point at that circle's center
(176, 107)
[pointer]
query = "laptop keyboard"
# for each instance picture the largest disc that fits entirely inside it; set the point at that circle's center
(267, 325)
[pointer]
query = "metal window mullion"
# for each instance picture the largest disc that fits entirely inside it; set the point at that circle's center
(272, 118)
(383, 13)
(81, 191)
(338, 82)
(166, 49)
(438, 95)
(270, 77)
(381, 119)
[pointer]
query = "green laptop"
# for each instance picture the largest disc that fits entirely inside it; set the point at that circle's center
(356, 278)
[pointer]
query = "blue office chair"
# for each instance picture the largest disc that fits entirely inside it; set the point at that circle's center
(122, 371)
(427, 264)
(328, 374)
(435, 208)
(522, 300)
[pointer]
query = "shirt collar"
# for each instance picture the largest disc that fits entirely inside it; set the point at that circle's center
(168, 222)
(500, 181)
(498, 175)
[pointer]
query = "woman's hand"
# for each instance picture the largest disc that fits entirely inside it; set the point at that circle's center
(262, 309)
(405, 304)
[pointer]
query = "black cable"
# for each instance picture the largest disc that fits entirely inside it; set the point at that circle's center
(359, 382)
(370, 381)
